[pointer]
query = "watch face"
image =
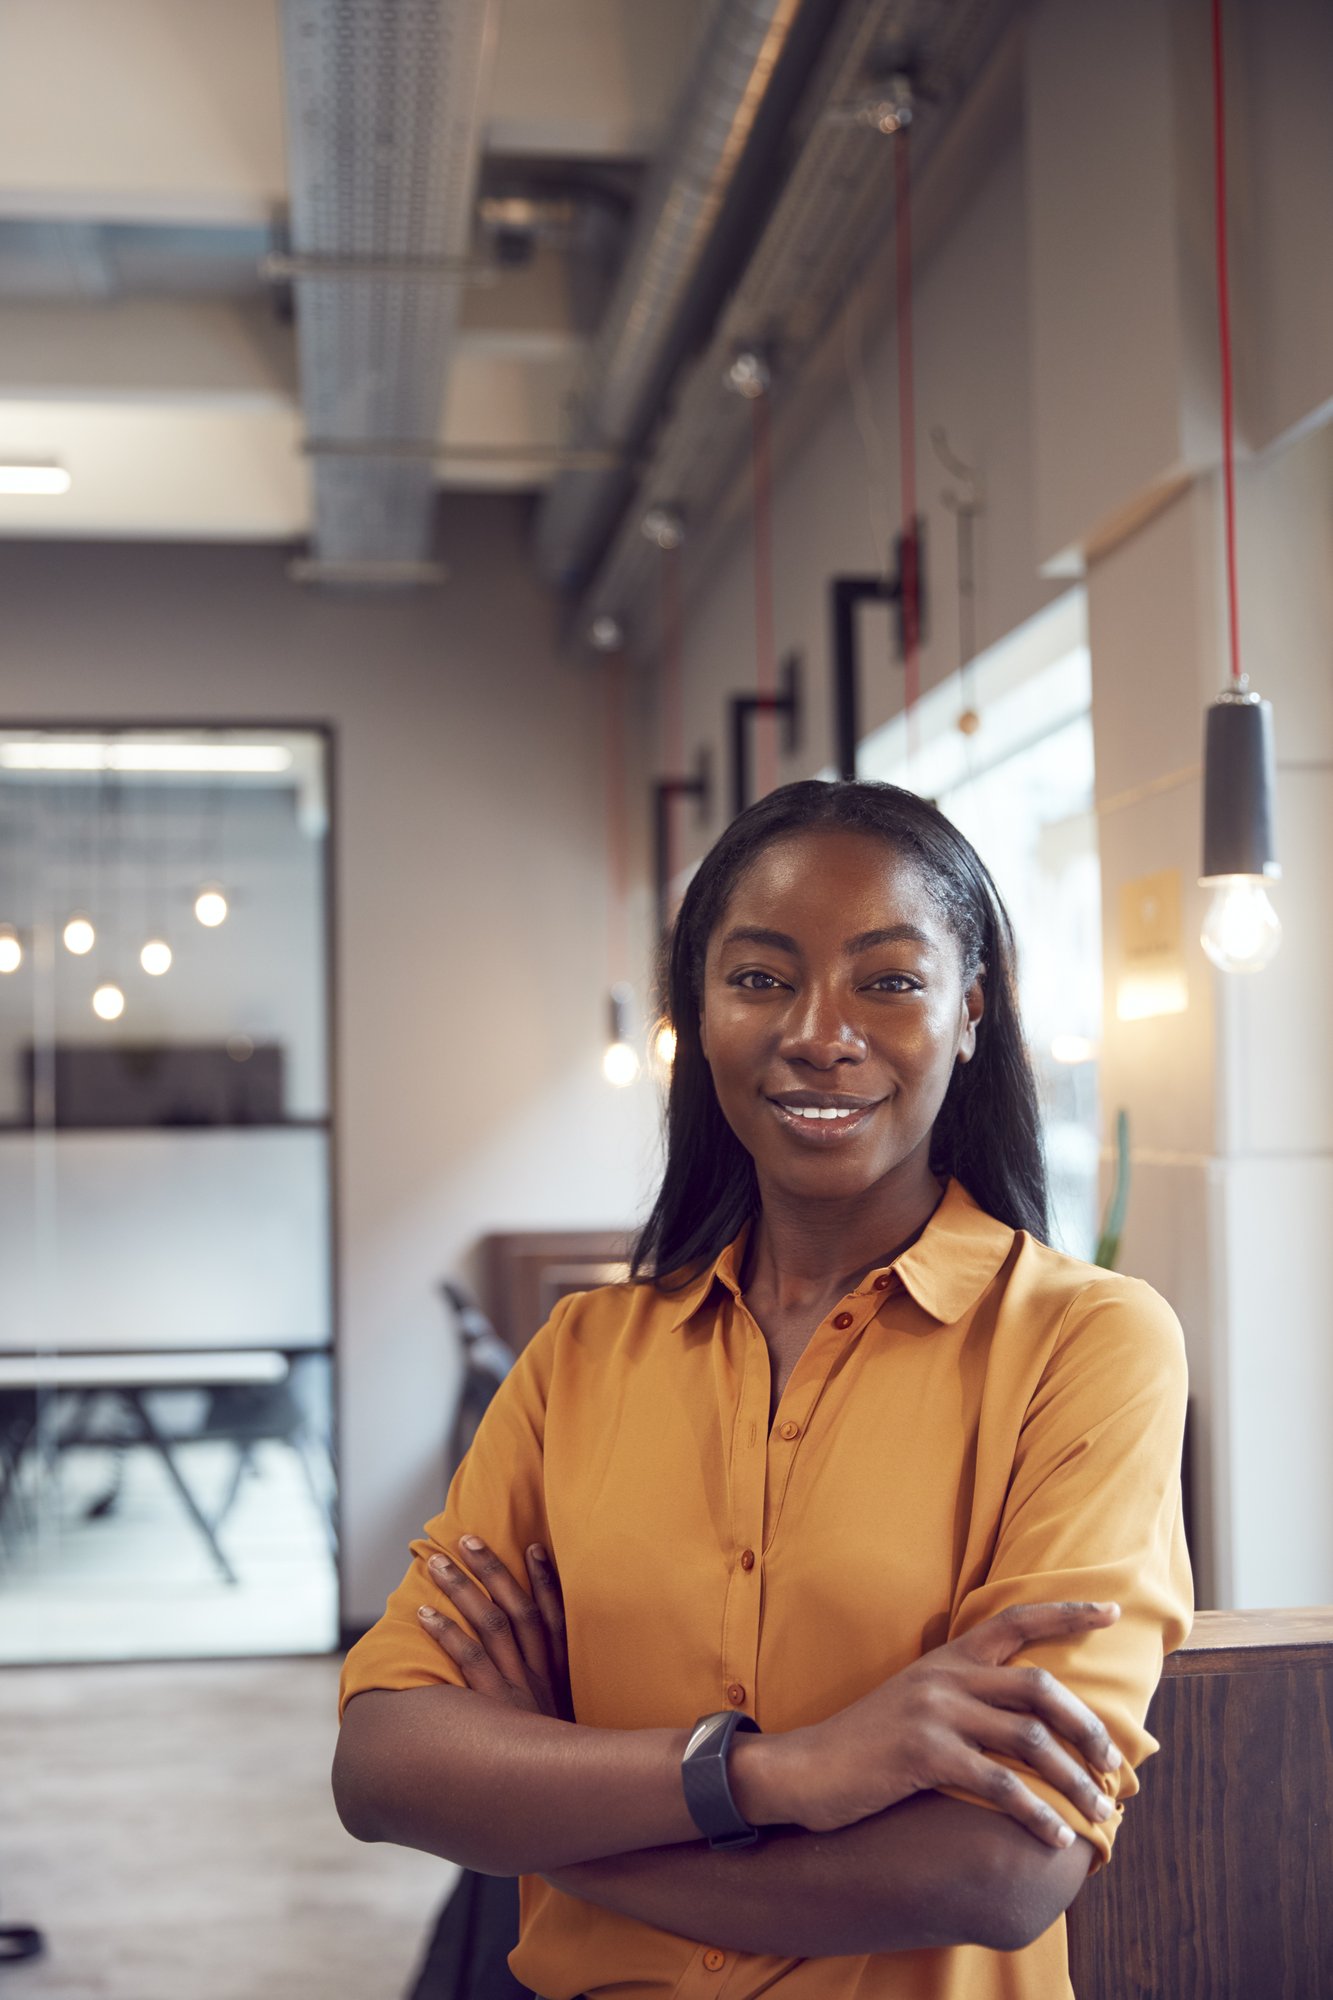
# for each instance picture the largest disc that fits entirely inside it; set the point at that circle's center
(700, 1734)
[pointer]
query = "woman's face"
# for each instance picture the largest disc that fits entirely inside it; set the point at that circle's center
(833, 985)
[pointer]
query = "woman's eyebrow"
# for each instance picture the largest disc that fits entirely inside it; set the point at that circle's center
(863, 941)
(755, 934)
(891, 934)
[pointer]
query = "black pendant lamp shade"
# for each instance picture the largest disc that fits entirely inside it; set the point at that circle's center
(1238, 787)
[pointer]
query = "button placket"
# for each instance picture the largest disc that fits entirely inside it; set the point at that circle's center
(739, 1658)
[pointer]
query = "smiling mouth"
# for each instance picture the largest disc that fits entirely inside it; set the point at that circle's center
(823, 1123)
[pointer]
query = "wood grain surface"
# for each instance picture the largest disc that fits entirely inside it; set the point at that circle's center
(1221, 1884)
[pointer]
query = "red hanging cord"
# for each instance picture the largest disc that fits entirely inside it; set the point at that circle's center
(766, 680)
(909, 580)
(673, 716)
(617, 929)
(1224, 334)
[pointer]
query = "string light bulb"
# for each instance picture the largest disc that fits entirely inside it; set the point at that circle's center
(11, 951)
(108, 1002)
(155, 958)
(210, 906)
(664, 1046)
(620, 1062)
(79, 936)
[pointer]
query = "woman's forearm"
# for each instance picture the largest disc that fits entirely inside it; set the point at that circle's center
(503, 1791)
(929, 1872)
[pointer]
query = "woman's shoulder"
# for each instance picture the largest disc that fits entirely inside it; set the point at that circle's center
(1090, 1303)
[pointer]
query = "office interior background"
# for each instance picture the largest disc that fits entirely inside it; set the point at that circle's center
(452, 455)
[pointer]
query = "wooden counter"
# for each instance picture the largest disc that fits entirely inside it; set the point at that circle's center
(1221, 1885)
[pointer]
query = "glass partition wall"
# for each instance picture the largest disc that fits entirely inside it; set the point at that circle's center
(167, 1481)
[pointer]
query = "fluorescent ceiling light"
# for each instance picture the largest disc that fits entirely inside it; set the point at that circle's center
(51, 479)
(88, 754)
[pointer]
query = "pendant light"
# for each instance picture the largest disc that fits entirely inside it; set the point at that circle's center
(620, 1063)
(1241, 931)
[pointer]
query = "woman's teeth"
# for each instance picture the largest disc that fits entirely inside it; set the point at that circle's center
(821, 1111)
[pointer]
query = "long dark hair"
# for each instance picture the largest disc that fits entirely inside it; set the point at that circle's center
(987, 1134)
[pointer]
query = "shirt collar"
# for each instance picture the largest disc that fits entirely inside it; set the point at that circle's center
(946, 1270)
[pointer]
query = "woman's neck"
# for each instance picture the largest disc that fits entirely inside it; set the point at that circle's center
(801, 1253)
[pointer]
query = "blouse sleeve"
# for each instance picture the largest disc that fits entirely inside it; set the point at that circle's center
(497, 1493)
(1094, 1511)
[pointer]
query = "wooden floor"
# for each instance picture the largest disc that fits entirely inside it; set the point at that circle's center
(170, 1829)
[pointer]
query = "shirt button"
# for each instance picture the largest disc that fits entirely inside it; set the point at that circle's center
(715, 1960)
(747, 1558)
(843, 1319)
(735, 1694)
(883, 1281)
(789, 1429)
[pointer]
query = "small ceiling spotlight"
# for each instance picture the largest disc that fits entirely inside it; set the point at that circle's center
(749, 374)
(664, 526)
(79, 936)
(155, 958)
(11, 951)
(888, 109)
(108, 1003)
(606, 633)
(620, 1062)
(210, 906)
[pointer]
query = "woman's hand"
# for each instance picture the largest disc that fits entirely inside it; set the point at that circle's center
(929, 1726)
(519, 1654)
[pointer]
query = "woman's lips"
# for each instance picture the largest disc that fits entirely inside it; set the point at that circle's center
(823, 1131)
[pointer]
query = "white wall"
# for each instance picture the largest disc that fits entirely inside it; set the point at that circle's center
(468, 830)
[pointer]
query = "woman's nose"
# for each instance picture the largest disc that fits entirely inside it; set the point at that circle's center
(821, 1029)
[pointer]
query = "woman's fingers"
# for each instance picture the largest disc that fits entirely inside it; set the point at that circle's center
(1005, 1789)
(551, 1607)
(1027, 1739)
(997, 1639)
(488, 1619)
(468, 1654)
(1039, 1695)
(522, 1618)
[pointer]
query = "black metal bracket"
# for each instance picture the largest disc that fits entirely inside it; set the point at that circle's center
(905, 589)
(665, 792)
(787, 704)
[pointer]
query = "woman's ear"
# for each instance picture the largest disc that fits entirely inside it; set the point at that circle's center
(973, 1007)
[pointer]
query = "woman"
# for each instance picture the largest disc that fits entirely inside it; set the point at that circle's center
(855, 1457)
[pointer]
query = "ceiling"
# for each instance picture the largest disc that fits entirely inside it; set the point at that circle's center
(143, 181)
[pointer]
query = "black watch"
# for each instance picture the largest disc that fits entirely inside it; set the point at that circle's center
(703, 1772)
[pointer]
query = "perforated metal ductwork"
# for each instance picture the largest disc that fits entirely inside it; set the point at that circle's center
(746, 73)
(833, 208)
(383, 142)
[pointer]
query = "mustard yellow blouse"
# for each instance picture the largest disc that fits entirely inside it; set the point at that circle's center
(984, 1422)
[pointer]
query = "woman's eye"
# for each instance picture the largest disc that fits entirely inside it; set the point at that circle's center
(895, 982)
(755, 982)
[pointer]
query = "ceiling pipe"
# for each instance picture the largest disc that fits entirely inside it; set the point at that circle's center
(716, 169)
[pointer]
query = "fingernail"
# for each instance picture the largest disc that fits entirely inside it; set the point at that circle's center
(538, 1554)
(1113, 1757)
(425, 1614)
(442, 1565)
(1065, 1837)
(1103, 1808)
(472, 1542)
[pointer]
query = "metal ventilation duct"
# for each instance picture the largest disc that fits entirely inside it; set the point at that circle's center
(383, 142)
(731, 85)
(834, 205)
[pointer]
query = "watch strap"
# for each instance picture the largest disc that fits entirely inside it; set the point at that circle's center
(703, 1772)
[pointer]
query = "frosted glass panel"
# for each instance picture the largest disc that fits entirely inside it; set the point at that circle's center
(167, 1471)
(164, 1239)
